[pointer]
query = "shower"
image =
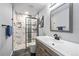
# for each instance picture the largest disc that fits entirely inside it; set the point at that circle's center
(25, 31)
(31, 30)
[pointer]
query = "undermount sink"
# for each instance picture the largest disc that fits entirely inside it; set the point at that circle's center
(53, 44)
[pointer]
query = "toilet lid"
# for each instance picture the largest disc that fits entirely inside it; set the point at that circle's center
(31, 44)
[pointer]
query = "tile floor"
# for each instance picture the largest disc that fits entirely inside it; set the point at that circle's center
(22, 52)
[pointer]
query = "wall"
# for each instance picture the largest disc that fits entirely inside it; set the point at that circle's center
(73, 37)
(5, 18)
(19, 32)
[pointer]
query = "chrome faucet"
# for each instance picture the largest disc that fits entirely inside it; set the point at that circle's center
(56, 37)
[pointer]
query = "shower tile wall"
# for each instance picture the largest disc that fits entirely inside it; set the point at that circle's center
(19, 32)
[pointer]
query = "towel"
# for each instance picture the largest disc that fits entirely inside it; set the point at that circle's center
(8, 30)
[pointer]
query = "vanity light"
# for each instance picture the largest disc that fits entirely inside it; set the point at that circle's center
(55, 5)
(52, 4)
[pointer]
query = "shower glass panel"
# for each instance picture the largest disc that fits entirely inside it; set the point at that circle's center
(30, 29)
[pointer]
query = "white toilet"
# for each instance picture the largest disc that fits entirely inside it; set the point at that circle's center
(32, 46)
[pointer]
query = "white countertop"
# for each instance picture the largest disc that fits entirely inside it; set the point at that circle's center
(61, 47)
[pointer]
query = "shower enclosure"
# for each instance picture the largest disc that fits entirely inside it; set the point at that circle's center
(31, 30)
(25, 31)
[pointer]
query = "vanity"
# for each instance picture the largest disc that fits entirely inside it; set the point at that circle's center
(43, 50)
(48, 46)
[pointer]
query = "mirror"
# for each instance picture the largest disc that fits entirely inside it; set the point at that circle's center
(61, 18)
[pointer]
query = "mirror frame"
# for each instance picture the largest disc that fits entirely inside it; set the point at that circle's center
(70, 19)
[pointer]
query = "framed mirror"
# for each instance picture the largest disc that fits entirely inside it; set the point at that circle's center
(61, 18)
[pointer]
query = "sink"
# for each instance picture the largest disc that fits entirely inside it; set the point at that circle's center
(61, 47)
(53, 44)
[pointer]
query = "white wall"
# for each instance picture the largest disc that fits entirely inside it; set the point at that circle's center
(5, 18)
(73, 37)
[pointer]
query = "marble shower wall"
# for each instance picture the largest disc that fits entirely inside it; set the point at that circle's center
(19, 32)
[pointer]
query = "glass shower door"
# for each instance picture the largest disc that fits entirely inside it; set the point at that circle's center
(31, 30)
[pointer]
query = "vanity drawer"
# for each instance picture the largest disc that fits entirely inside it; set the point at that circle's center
(43, 50)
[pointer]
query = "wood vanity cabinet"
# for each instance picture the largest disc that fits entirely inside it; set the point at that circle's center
(42, 50)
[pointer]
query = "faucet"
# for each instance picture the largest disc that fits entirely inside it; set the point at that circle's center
(56, 37)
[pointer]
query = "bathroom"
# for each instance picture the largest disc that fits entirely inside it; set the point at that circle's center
(39, 29)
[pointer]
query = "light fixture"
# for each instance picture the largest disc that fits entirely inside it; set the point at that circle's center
(55, 5)
(26, 12)
(52, 4)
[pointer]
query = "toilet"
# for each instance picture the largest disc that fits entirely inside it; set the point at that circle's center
(32, 46)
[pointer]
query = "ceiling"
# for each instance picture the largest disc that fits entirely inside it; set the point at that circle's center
(32, 8)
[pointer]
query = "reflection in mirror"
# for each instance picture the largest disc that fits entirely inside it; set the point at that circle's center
(61, 18)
